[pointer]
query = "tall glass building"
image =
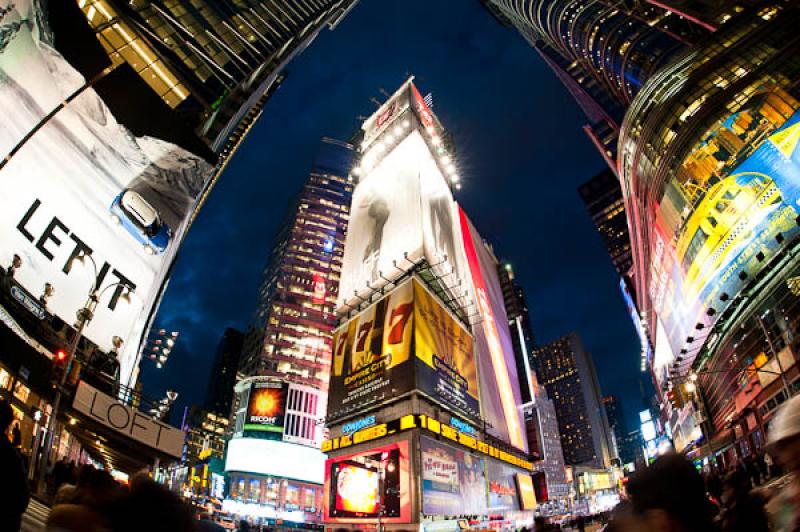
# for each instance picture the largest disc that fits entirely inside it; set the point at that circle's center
(294, 320)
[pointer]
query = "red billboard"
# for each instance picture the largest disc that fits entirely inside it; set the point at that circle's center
(363, 485)
(500, 393)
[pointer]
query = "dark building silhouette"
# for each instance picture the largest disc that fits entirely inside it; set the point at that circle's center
(602, 196)
(223, 372)
(520, 325)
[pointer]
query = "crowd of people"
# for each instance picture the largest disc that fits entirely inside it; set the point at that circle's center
(668, 496)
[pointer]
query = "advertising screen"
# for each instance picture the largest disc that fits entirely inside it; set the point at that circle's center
(356, 490)
(502, 487)
(362, 485)
(499, 384)
(444, 354)
(266, 407)
(726, 212)
(527, 495)
(77, 182)
(371, 353)
(453, 480)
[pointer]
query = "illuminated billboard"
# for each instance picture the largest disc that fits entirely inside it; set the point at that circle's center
(76, 182)
(527, 495)
(726, 212)
(266, 407)
(405, 340)
(497, 368)
(453, 480)
(443, 348)
(363, 485)
(371, 354)
(502, 482)
(402, 211)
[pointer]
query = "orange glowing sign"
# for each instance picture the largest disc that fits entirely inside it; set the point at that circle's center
(265, 409)
(357, 490)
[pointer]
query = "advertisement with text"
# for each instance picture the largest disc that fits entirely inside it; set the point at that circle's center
(444, 352)
(740, 186)
(266, 407)
(453, 480)
(77, 183)
(371, 353)
(502, 487)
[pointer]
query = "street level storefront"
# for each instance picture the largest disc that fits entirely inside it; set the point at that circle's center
(417, 471)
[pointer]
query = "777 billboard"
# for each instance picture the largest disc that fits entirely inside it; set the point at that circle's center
(406, 340)
(76, 182)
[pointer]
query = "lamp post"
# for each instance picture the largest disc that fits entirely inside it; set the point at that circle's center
(85, 315)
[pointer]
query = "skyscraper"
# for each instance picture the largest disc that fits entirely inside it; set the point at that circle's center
(616, 420)
(707, 158)
(603, 52)
(223, 372)
(520, 325)
(542, 413)
(293, 323)
(567, 372)
(603, 198)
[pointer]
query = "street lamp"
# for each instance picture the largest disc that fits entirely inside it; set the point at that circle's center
(84, 315)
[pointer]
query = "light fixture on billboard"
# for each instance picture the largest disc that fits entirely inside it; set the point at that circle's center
(430, 130)
(436, 140)
(451, 167)
(398, 130)
(458, 186)
(446, 159)
(47, 293)
(16, 264)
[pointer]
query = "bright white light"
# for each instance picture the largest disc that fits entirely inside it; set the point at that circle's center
(454, 178)
(648, 431)
(398, 130)
(406, 124)
(458, 186)
(446, 159)
(436, 140)
(451, 168)
(690, 387)
(356, 170)
(430, 130)
(277, 458)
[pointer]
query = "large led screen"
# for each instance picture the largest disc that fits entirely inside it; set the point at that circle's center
(266, 407)
(363, 485)
(453, 480)
(77, 182)
(497, 368)
(722, 212)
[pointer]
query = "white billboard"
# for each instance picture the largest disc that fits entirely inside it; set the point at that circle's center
(402, 210)
(77, 182)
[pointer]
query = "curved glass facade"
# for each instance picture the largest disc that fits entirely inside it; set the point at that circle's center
(710, 168)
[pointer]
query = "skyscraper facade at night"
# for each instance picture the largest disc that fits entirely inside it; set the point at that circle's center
(520, 325)
(704, 144)
(567, 372)
(602, 196)
(294, 320)
(542, 412)
(219, 392)
(602, 51)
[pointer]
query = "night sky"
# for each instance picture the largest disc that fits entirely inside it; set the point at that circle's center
(520, 150)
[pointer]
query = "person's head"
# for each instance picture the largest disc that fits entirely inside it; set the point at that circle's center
(6, 415)
(668, 496)
(784, 435)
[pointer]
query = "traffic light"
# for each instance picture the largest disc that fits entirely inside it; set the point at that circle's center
(675, 397)
(59, 365)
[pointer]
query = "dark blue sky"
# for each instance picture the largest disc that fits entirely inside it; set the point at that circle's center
(520, 148)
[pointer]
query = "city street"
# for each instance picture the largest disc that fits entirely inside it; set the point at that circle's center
(372, 265)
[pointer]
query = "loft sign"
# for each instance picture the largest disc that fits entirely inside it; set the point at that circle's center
(127, 421)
